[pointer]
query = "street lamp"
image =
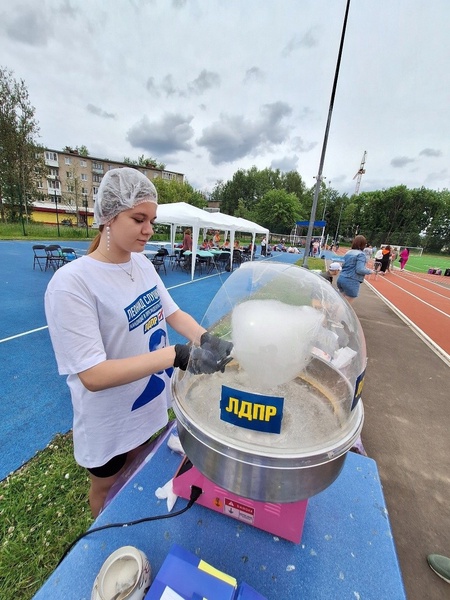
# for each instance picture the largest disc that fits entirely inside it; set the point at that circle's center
(339, 222)
(85, 202)
(326, 199)
(325, 139)
(56, 205)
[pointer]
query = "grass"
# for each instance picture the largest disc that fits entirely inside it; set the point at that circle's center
(43, 508)
(38, 231)
(421, 264)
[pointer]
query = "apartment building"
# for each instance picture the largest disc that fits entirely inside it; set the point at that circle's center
(68, 194)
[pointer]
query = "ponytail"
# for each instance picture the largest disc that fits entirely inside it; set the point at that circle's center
(96, 241)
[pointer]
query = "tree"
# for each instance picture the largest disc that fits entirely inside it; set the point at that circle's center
(144, 162)
(437, 235)
(278, 211)
(83, 151)
(171, 190)
(150, 162)
(294, 184)
(74, 195)
(21, 158)
(248, 187)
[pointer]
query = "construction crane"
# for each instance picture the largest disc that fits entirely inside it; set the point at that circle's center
(360, 173)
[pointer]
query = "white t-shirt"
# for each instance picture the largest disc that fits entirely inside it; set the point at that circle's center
(96, 312)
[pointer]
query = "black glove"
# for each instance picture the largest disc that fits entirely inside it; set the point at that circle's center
(220, 349)
(202, 361)
(182, 354)
(213, 355)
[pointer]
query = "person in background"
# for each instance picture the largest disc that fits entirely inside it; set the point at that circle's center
(263, 247)
(216, 239)
(353, 269)
(187, 240)
(404, 255)
(378, 258)
(251, 248)
(368, 252)
(386, 255)
(392, 259)
(108, 314)
(333, 271)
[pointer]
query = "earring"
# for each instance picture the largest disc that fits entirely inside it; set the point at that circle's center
(108, 233)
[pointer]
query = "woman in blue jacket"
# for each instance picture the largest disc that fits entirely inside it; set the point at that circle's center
(353, 269)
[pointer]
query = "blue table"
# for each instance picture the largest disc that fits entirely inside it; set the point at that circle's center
(347, 550)
(201, 253)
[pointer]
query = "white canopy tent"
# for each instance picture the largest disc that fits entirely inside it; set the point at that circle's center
(183, 214)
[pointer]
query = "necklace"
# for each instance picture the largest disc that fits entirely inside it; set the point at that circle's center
(130, 275)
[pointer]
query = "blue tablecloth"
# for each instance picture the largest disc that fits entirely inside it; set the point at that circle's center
(347, 549)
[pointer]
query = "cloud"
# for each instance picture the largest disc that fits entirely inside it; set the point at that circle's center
(205, 81)
(151, 87)
(169, 87)
(433, 178)
(306, 113)
(299, 144)
(430, 152)
(285, 164)
(253, 74)
(233, 137)
(170, 135)
(29, 27)
(401, 161)
(67, 9)
(95, 110)
(308, 40)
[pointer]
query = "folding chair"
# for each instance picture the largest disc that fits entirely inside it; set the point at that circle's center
(69, 254)
(237, 258)
(158, 262)
(179, 260)
(55, 258)
(203, 263)
(223, 261)
(39, 255)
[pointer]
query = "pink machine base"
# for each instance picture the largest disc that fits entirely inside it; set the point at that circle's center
(284, 520)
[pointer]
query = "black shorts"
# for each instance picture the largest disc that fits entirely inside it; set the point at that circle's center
(112, 467)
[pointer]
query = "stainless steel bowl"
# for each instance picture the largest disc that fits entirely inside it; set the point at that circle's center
(300, 462)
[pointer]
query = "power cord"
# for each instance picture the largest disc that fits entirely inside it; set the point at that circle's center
(196, 492)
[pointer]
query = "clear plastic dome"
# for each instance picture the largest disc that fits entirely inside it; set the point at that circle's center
(296, 339)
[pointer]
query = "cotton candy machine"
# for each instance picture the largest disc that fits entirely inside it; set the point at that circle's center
(275, 427)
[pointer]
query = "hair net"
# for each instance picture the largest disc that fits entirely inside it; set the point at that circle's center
(121, 189)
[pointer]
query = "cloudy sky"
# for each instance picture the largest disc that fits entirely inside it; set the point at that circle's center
(212, 86)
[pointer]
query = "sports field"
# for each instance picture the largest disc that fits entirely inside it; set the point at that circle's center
(421, 264)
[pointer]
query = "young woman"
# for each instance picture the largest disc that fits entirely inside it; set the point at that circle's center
(107, 315)
(404, 255)
(353, 269)
(187, 240)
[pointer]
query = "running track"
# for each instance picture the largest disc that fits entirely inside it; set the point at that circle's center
(423, 301)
